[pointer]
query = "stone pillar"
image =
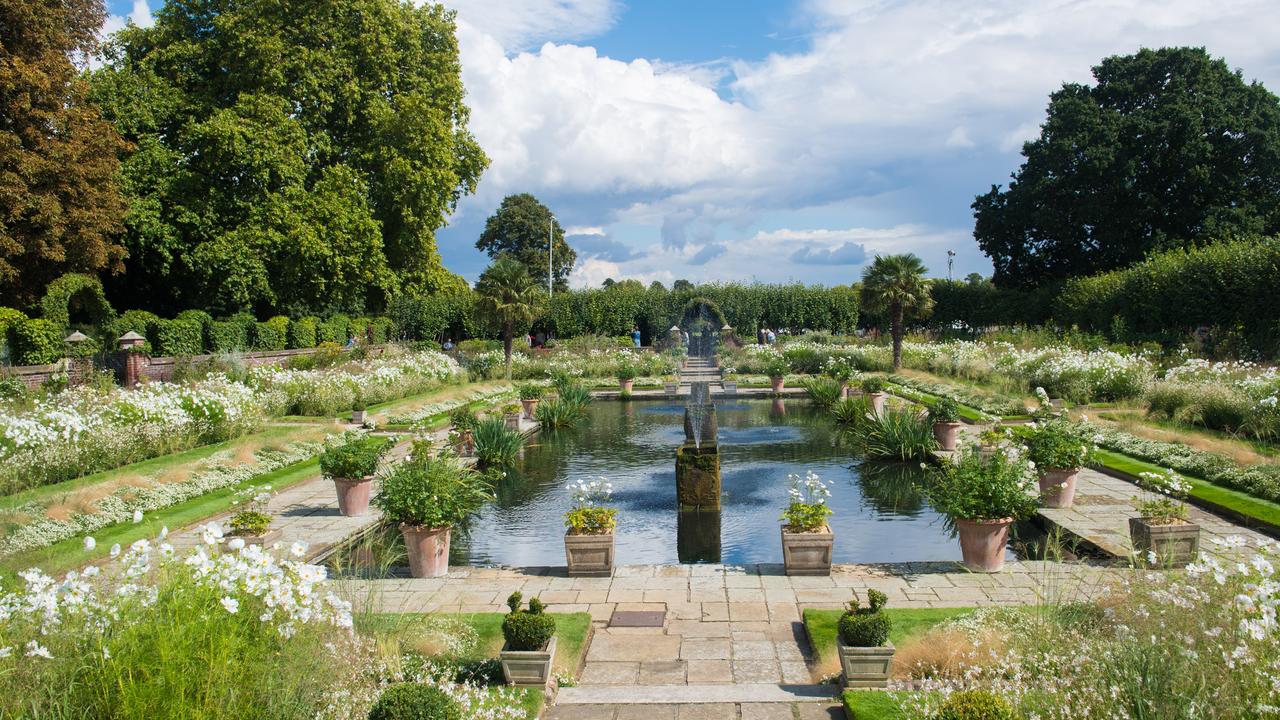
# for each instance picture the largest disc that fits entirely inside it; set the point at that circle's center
(698, 536)
(698, 476)
(79, 368)
(135, 359)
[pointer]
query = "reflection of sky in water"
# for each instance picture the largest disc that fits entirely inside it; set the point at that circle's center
(879, 517)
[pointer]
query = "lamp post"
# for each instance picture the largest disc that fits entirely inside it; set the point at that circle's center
(951, 254)
(551, 243)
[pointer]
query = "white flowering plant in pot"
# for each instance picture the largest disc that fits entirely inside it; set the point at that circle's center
(807, 540)
(590, 524)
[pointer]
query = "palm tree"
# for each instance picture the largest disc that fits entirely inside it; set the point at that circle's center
(896, 284)
(508, 296)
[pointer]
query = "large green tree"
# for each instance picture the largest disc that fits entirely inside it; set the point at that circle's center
(520, 229)
(1170, 148)
(509, 298)
(290, 156)
(60, 201)
(895, 285)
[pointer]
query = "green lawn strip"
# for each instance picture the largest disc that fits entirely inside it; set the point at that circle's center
(153, 466)
(70, 553)
(908, 623)
(873, 704)
(302, 420)
(440, 419)
(1136, 415)
(416, 400)
(1232, 500)
(971, 414)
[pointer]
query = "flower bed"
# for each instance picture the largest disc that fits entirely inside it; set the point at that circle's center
(438, 409)
(330, 391)
(1260, 480)
(589, 363)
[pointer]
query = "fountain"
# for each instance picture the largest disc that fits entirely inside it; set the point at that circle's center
(698, 459)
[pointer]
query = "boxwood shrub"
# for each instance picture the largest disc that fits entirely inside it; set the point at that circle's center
(225, 337)
(36, 341)
(271, 334)
(302, 332)
(415, 701)
(178, 338)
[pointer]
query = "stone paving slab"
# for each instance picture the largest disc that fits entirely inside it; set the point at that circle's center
(697, 694)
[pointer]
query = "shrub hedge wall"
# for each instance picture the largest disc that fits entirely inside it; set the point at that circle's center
(36, 341)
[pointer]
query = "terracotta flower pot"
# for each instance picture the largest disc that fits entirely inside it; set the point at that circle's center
(945, 434)
(807, 553)
(877, 403)
(626, 385)
(353, 495)
(589, 555)
(428, 550)
(844, 389)
(778, 383)
(530, 406)
(466, 443)
(1058, 487)
(982, 543)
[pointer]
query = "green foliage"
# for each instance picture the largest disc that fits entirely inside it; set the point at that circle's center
(527, 629)
(302, 332)
(972, 487)
(896, 434)
(250, 522)
(36, 341)
(310, 172)
(1059, 445)
(8, 318)
(895, 285)
(777, 368)
(944, 410)
(626, 371)
(529, 391)
(496, 446)
(556, 414)
(272, 334)
(976, 705)
(851, 412)
(176, 338)
(356, 456)
(137, 321)
(225, 337)
(823, 391)
(463, 418)
(415, 701)
(76, 297)
(519, 229)
(866, 626)
(872, 384)
(336, 329)
(804, 359)
(380, 330)
(431, 492)
(434, 317)
(1089, 197)
(979, 303)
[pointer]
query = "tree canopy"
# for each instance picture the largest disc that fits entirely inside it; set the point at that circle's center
(508, 297)
(60, 202)
(1170, 148)
(290, 156)
(895, 284)
(519, 230)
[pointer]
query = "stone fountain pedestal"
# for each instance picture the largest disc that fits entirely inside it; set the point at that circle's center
(698, 476)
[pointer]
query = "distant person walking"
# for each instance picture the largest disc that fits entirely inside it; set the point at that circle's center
(760, 336)
(635, 336)
(685, 336)
(771, 337)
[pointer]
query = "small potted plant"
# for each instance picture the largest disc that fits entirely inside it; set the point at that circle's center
(670, 384)
(989, 440)
(866, 655)
(463, 420)
(945, 414)
(873, 388)
(983, 496)
(530, 646)
(511, 416)
(358, 409)
(350, 464)
(730, 379)
(427, 497)
(1059, 449)
(777, 370)
(626, 375)
(1163, 534)
(588, 541)
(841, 370)
(807, 540)
(251, 522)
(530, 394)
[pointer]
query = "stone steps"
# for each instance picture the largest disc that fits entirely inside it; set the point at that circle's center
(695, 694)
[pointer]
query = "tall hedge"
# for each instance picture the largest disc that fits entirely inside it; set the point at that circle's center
(271, 334)
(336, 329)
(1232, 285)
(8, 318)
(177, 338)
(36, 341)
(981, 304)
(226, 336)
(302, 332)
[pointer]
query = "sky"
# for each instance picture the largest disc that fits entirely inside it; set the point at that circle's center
(780, 141)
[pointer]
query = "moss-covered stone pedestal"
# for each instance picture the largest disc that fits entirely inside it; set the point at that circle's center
(698, 477)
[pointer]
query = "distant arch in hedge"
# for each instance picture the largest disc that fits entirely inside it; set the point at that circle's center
(699, 308)
(76, 292)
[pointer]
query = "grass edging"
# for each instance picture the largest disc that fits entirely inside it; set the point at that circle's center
(1239, 507)
(968, 414)
(907, 623)
(872, 705)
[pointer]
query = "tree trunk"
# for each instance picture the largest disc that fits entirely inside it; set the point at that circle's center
(508, 330)
(897, 331)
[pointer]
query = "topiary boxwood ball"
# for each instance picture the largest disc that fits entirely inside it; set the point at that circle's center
(976, 705)
(527, 629)
(415, 701)
(866, 627)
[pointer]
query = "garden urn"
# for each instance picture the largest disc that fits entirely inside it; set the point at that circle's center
(428, 550)
(625, 386)
(353, 495)
(1173, 545)
(876, 399)
(778, 383)
(589, 555)
(865, 667)
(528, 668)
(530, 406)
(1058, 487)
(983, 542)
(512, 420)
(807, 553)
(945, 433)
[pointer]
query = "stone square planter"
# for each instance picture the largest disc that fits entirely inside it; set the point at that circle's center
(865, 667)
(528, 668)
(731, 387)
(263, 540)
(669, 388)
(1173, 545)
(983, 542)
(358, 416)
(512, 421)
(807, 553)
(428, 550)
(945, 434)
(1058, 487)
(589, 555)
(353, 495)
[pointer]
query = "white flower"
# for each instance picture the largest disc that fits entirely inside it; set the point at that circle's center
(90, 543)
(298, 549)
(35, 649)
(211, 534)
(115, 550)
(236, 544)
(137, 516)
(164, 532)
(231, 605)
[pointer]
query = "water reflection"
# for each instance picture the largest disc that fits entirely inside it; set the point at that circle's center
(698, 536)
